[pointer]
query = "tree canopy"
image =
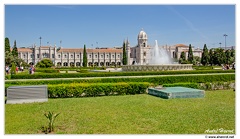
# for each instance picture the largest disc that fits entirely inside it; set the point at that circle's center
(15, 50)
(124, 54)
(7, 45)
(190, 54)
(45, 63)
(84, 56)
(205, 56)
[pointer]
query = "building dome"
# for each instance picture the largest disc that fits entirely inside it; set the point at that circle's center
(142, 35)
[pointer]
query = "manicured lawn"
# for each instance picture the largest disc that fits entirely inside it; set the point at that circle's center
(130, 114)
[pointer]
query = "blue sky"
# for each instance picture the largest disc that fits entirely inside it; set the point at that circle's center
(109, 25)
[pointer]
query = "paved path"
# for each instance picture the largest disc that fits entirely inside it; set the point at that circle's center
(115, 77)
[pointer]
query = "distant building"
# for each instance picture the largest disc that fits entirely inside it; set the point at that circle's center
(101, 56)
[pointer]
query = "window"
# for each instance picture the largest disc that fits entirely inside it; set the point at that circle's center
(24, 56)
(112, 56)
(90, 56)
(101, 56)
(52, 55)
(78, 57)
(59, 56)
(37, 55)
(31, 55)
(144, 60)
(95, 56)
(65, 56)
(45, 55)
(118, 56)
(71, 56)
(107, 56)
(144, 53)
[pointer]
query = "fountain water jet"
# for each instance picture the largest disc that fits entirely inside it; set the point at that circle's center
(159, 56)
(159, 60)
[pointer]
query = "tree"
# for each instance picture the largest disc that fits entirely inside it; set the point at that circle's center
(232, 55)
(211, 57)
(228, 57)
(45, 63)
(8, 58)
(124, 54)
(182, 58)
(196, 60)
(205, 56)
(84, 56)
(15, 50)
(219, 57)
(7, 45)
(190, 54)
(13, 68)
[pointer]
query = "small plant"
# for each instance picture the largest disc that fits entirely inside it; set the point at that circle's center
(51, 117)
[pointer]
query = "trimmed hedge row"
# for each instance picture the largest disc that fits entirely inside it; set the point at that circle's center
(107, 74)
(47, 70)
(154, 80)
(93, 90)
(205, 86)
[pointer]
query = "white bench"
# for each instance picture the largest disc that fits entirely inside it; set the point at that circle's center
(27, 94)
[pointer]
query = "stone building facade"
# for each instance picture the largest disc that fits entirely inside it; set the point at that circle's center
(71, 56)
(138, 54)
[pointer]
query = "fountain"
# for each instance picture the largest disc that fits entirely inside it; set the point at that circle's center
(159, 60)
(159, 56)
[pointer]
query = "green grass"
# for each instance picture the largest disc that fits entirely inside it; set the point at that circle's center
(131, 114)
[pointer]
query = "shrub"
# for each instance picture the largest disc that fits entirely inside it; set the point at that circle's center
(107, 74)
(45, 63)
(93, 90)
(189, 85)
(13, 69)
(46, 70)
(205, 86)
(155, 80)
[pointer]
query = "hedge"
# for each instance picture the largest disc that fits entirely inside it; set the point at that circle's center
(154, 80)
(93, 90)
(47, 70)
(205, 86)
(108, 74)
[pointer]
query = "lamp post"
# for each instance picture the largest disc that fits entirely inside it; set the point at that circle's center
(225, 35)
(220, 44)
(40, 41)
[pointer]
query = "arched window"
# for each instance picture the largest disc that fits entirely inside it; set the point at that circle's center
(65, 64)
(59, 64)
(78, 64)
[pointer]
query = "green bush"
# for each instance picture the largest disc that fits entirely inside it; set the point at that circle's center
(96, 89)
(13, 69)
(189, 85)
(45, 63)
(107, 74)
(47, 70)
(155, 80)
(219, 85)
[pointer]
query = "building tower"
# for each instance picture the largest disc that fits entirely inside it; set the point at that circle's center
(142, 44)
(128, 50)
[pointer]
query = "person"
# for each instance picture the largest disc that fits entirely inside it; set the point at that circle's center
(21, 68)
(17, 69)
(7, 69)
(233, 66)
(33, 69)
(30, 70)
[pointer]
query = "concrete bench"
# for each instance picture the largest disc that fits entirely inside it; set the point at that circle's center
(27, 94)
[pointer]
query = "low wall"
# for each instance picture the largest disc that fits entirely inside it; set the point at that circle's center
(157, 67)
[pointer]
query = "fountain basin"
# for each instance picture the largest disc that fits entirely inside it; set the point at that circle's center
(157, 67)
(176, 92)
